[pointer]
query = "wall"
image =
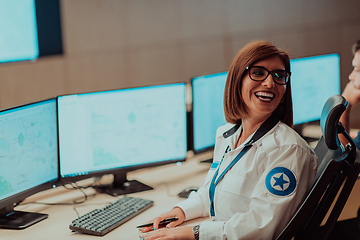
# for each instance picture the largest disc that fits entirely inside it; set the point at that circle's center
(112, 44)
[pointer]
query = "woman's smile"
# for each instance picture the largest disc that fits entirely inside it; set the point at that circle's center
(265, 96)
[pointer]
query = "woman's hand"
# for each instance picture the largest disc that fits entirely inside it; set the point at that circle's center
(175, 212)
(179, 233)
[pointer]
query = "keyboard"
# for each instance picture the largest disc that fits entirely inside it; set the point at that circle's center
(101, 221)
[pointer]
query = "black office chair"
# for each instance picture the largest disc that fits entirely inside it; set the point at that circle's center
(348, 229)
(338, 169)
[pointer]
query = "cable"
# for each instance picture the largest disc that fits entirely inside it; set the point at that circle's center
(74, 186)
(60, 203)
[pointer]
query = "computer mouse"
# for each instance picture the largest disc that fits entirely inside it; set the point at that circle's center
(186, 192)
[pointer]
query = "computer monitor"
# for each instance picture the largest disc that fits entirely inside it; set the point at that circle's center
(28, 159)
(19, 40)
(29, 29)
(114, 132)
(313, 80)
(207, 109)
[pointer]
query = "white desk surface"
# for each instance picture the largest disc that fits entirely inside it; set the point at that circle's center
(166, 186)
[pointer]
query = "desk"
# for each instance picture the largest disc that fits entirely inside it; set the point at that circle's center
(166, 186)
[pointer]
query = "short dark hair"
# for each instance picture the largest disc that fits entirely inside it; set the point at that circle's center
(234, 106)
(356, 46)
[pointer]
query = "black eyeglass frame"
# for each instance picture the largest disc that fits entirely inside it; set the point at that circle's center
(248, 68)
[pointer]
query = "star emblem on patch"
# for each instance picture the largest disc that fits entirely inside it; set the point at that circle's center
(280, 181)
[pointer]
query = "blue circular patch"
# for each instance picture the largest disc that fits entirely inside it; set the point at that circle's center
(280, 181)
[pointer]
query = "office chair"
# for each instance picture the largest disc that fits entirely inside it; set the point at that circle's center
(338, 169)
(348, 229)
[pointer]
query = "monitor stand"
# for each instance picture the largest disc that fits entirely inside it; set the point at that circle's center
(121, 186)
(11, 219)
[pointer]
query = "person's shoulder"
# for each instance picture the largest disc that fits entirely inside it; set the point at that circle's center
(285, 135)
(285, 141)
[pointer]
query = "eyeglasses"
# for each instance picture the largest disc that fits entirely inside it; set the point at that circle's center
(258, 73)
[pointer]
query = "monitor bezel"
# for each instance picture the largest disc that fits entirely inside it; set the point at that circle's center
(21, 196)
(66, 179)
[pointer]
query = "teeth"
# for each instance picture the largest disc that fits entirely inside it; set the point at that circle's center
(265, 94)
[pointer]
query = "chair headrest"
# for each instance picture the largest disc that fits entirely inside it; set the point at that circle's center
(330, 115)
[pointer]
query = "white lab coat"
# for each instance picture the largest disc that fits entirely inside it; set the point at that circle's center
(245, 207)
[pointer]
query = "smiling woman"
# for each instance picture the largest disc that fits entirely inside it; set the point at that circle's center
(243, 65)
(260, 98)
(261, 167)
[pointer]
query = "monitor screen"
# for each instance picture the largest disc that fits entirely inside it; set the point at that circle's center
(313, 80)
(29, 29)
(18, 29)
(207, 109)
(121, 130)
(28, 151)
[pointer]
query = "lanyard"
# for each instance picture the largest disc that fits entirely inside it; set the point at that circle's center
(264, 128)
(214, 183)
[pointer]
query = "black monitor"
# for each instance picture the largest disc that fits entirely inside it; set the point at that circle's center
(114, 132)
(207, 110)
(28, 159)
(48, 19)
(313, 80)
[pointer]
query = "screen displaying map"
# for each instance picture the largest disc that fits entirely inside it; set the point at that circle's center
(121, 128)
(313, 81)
(28, 147)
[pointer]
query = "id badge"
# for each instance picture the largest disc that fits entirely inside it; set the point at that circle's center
(214, 165)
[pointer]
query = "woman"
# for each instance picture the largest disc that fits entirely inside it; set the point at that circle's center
(262, 168)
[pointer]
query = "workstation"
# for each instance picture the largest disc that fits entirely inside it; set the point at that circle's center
(164, 195)
(95, 67)
(68, 160)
